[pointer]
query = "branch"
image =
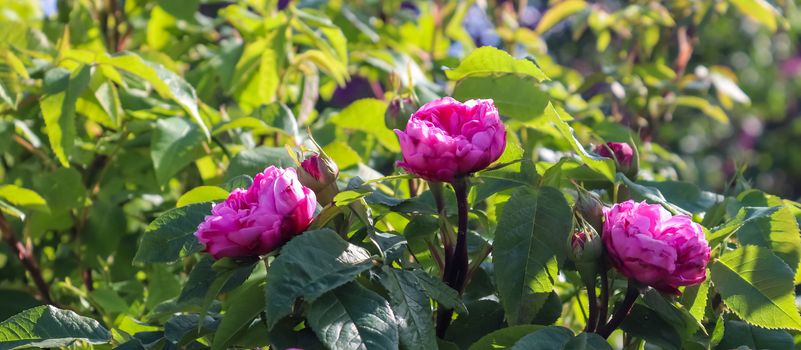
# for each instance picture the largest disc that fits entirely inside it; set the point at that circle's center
(25, 255)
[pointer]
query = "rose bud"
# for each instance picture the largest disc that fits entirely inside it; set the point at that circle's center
(585, 250)
(624, 156)
(446, 139)
(260, 219)
(320, 174)
(589, 207)
(398, 112)
(646, 243)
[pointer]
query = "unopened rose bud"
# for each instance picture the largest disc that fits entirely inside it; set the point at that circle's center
(590, 208)
(398, 112)
(623, 154)
(320, 174)
(585, 249)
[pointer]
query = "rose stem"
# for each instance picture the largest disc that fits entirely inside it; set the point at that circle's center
(456, 268)
(621, 312)
(604, 297)
(592, 320)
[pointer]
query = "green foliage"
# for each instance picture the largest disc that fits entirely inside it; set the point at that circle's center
(311, 265)
(757, 286)
(47, 327)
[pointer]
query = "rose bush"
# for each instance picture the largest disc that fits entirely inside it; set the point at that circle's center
(398, 175)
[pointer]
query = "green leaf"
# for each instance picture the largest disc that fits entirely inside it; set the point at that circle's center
(744, 215)
(184, 10)
(557, 13)
(505, 338)
(411, 307)
(647, 324)
(244, 304)
(588, 341)
(63, 189)
(203, 276)
(488, 60)
(353, 317)
(602, 165)
(202, 194)
(694, 299)
(367, 115)
(532, 230)
(310, 265)
(172, 234)
(439, 291)
(779, 232)
(757, 286)
(23, 198)
(165, 82)
(62, 90)
(175, 144)
(759, 10)
(737, 334)
(651, 194)
(48, 327)
(252, 161)
(671, 312)
(548, 338)
(485, 316)
(685, 195)
(706, 107)
(518, 97)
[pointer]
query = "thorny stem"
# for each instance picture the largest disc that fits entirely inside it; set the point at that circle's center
(25, 255)
(457, 267)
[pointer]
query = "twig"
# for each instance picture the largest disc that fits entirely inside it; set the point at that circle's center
(25, 255)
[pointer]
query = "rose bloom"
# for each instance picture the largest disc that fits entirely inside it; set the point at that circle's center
(446, 139)
(260, 219)
(645, 243)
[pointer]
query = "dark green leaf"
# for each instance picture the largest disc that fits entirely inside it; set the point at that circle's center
(505, 338)
(411, 307)
(171, 235)
(645, 323)
(737, 334)
(244, 304)
(310, 265)
(48, 327)
(353, 317)
(548, 338)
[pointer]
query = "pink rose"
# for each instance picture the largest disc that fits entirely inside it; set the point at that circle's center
(260, 219)
(646, 243)
(445, 139)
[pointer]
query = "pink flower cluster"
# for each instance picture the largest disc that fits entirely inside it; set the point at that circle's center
(646, 243)
(445, 139)
(260, 219)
